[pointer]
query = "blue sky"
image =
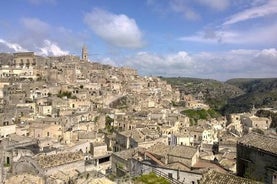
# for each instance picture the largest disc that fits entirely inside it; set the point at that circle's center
(217, 39)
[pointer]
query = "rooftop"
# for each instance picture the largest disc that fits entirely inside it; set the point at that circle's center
(260, 141)
(46, 161)
(179, 150)
(126, 154)
(214, 177)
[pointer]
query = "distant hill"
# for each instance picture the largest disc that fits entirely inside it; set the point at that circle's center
(234, 95)
(216, 93)
(258, 92)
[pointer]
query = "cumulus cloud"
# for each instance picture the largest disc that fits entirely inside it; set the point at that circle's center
(51, 49)
(118, 30)
(41, 37)
(220, 65)
(269, 8)
(15, 47)
(267, 57)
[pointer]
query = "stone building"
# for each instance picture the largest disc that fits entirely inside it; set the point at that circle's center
(257, 157)
(84, 53)
(24, 59)
(214, 177)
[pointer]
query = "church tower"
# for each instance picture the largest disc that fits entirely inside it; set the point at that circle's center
(84, 53)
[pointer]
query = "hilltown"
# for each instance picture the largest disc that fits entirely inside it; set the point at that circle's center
(69, 120)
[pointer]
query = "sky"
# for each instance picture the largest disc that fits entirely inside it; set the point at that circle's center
(215, 39)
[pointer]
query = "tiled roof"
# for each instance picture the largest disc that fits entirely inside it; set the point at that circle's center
(129, 153)
(46, 161)
(179, 151)
(213, 177)
(260, 141)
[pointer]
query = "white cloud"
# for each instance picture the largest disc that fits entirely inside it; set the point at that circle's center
(270, 8)
(263, 36)
(187, 8)
(118, 30)
(215, 4)
(108, 61)
(35, 25)
(220, 65)
(182, 7)
(267, 57)
(35, 34)
(15, 47)
(50, 48)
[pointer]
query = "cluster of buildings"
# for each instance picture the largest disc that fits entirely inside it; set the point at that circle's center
(67, 120)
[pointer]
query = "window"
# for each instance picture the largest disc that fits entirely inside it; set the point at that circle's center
(8, 160)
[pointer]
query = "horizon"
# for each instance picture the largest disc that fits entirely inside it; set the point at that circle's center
(217, 40)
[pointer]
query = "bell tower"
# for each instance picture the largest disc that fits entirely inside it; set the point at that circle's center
(84, 53)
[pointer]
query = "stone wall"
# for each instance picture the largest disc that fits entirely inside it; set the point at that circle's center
(256, 164)
(77, 165)
(139, 168)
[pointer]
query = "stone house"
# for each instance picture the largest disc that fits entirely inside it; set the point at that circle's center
(6, 129)
(127, 139)
(210, 136)
(132, 163)
(80, 104)
(212, 176)
(166, 155)
(260, 122)
(43, 130)
(24, 59)
(257, 157)
(47, 165)
(45, 110)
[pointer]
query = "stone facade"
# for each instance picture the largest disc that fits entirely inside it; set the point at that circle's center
(257, 157)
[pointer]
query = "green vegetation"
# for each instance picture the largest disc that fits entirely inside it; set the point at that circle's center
(197, 114)
(150, 178)
(96, 118)
(232, 96)
(215, 93)
(68, 94)
(64, 93)
(108, 124)
(178, 104)
(258, 92)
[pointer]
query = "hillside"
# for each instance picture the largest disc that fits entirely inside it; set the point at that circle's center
(235, 95)
(258, 92)
(216, 93)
